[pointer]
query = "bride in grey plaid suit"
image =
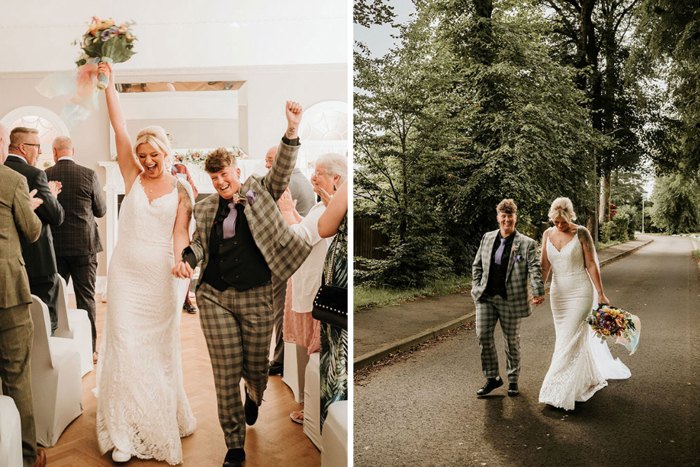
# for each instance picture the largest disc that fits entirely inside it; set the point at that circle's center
(500, 274)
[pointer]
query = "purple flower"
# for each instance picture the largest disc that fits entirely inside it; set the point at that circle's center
(251, 196)
(106, 34)
(518, 258)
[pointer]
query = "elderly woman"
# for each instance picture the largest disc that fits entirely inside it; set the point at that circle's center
(299, 327)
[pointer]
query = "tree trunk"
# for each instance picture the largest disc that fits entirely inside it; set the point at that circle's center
(604, 209)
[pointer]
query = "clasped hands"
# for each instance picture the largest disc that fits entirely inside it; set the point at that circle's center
(537, 301)
(182, 270)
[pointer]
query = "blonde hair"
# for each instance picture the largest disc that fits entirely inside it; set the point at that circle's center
(562, 207)
(158, 138)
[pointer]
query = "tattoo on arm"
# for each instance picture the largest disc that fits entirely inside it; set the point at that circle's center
(291, 132)
(187, 202)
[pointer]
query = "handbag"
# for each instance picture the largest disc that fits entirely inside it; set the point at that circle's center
(331, 306)
(331, 301)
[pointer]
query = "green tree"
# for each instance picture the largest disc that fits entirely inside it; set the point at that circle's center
(676, 204)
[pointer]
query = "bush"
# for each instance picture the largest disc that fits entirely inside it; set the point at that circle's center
(632, 214)
(622, 223)
(607, 231)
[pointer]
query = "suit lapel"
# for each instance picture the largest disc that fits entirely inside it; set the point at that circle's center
(488, 250)
(514, 250)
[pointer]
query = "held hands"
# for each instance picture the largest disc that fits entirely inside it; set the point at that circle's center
(286, 203)
(325, 196)
(293, 112)
(537, 301)
(55, 188)
(36, 202)
(182, 270)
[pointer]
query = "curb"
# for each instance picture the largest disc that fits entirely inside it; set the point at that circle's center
(368, 358)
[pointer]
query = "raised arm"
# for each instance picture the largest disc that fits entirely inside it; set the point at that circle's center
(128, 165)
(277, 178)
(330, 220)
(589, 257)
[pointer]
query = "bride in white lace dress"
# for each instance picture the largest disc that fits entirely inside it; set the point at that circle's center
(142, 409)
(581, 364)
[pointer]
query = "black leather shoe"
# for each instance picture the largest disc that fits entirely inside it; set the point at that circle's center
(276, 369)
(234, 457)
(491, 384)
(189, 308)
(251, 410)
(513, 389)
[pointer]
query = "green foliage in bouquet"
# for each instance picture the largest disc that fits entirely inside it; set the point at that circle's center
(104, 39)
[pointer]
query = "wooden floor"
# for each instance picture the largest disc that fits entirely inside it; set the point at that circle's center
(273, 440)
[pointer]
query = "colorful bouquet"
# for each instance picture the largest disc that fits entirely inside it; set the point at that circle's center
(609, 321)
(198, 158)
(104, 41)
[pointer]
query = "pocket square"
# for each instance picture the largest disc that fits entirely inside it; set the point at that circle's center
(518, 258)
(251, 196)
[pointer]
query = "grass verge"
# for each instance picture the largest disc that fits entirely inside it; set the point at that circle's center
(365, 298)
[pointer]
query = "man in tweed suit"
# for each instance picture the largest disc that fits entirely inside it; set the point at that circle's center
(39, 256)
(499, 288)
(17, 220)
(241, 241)
(77, 240)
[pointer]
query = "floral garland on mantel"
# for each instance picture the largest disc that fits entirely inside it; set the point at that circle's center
(199, 156)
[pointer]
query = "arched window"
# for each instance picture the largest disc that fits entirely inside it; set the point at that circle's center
(323, 129)
(45, 121)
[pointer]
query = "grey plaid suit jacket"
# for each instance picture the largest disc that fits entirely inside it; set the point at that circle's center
(82, 201)
(283, 249)
(516, 276)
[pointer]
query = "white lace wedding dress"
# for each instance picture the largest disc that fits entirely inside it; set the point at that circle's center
(581, 363)
(142, 408)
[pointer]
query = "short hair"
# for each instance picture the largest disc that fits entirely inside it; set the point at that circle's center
(218, 160)
(507, 206)
(562, 207)
(334, 164)
(18, 135)
(61, 143)
(158, 138)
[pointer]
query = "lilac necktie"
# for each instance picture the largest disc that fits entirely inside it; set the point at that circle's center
(499, 251)
(230, 222)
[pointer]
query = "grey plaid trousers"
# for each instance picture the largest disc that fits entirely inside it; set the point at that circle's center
(490, 310)
(238, 328)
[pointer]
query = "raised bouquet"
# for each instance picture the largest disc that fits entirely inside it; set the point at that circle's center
(609, 321)
(104, 41)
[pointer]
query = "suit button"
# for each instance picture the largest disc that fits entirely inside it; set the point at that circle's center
(235, 242)
(236, 259)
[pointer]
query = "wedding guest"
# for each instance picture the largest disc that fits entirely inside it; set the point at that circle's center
(181, 171)
(18, 223)
(302, 191)
(333, 363)
(39, 256)
(241, 240)
(77, 241)
(299, 326)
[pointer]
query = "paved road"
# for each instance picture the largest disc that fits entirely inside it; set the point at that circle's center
(423, 411)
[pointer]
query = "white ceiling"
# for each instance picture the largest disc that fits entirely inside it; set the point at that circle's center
(37, 35)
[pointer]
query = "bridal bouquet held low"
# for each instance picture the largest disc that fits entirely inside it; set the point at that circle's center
(609, 321)
(104, 41)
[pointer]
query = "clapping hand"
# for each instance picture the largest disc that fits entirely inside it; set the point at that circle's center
(286, 203)
(182, 270)
(55, 188)
(36, 202)
(325, 196)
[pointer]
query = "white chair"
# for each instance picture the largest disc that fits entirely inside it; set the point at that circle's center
(74, 324)
(312, 401)
(10, 434)
(295, 360)
(56, 379)
(335, 436)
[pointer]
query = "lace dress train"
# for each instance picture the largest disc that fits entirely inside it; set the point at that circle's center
(581, 364)
(142, 408)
